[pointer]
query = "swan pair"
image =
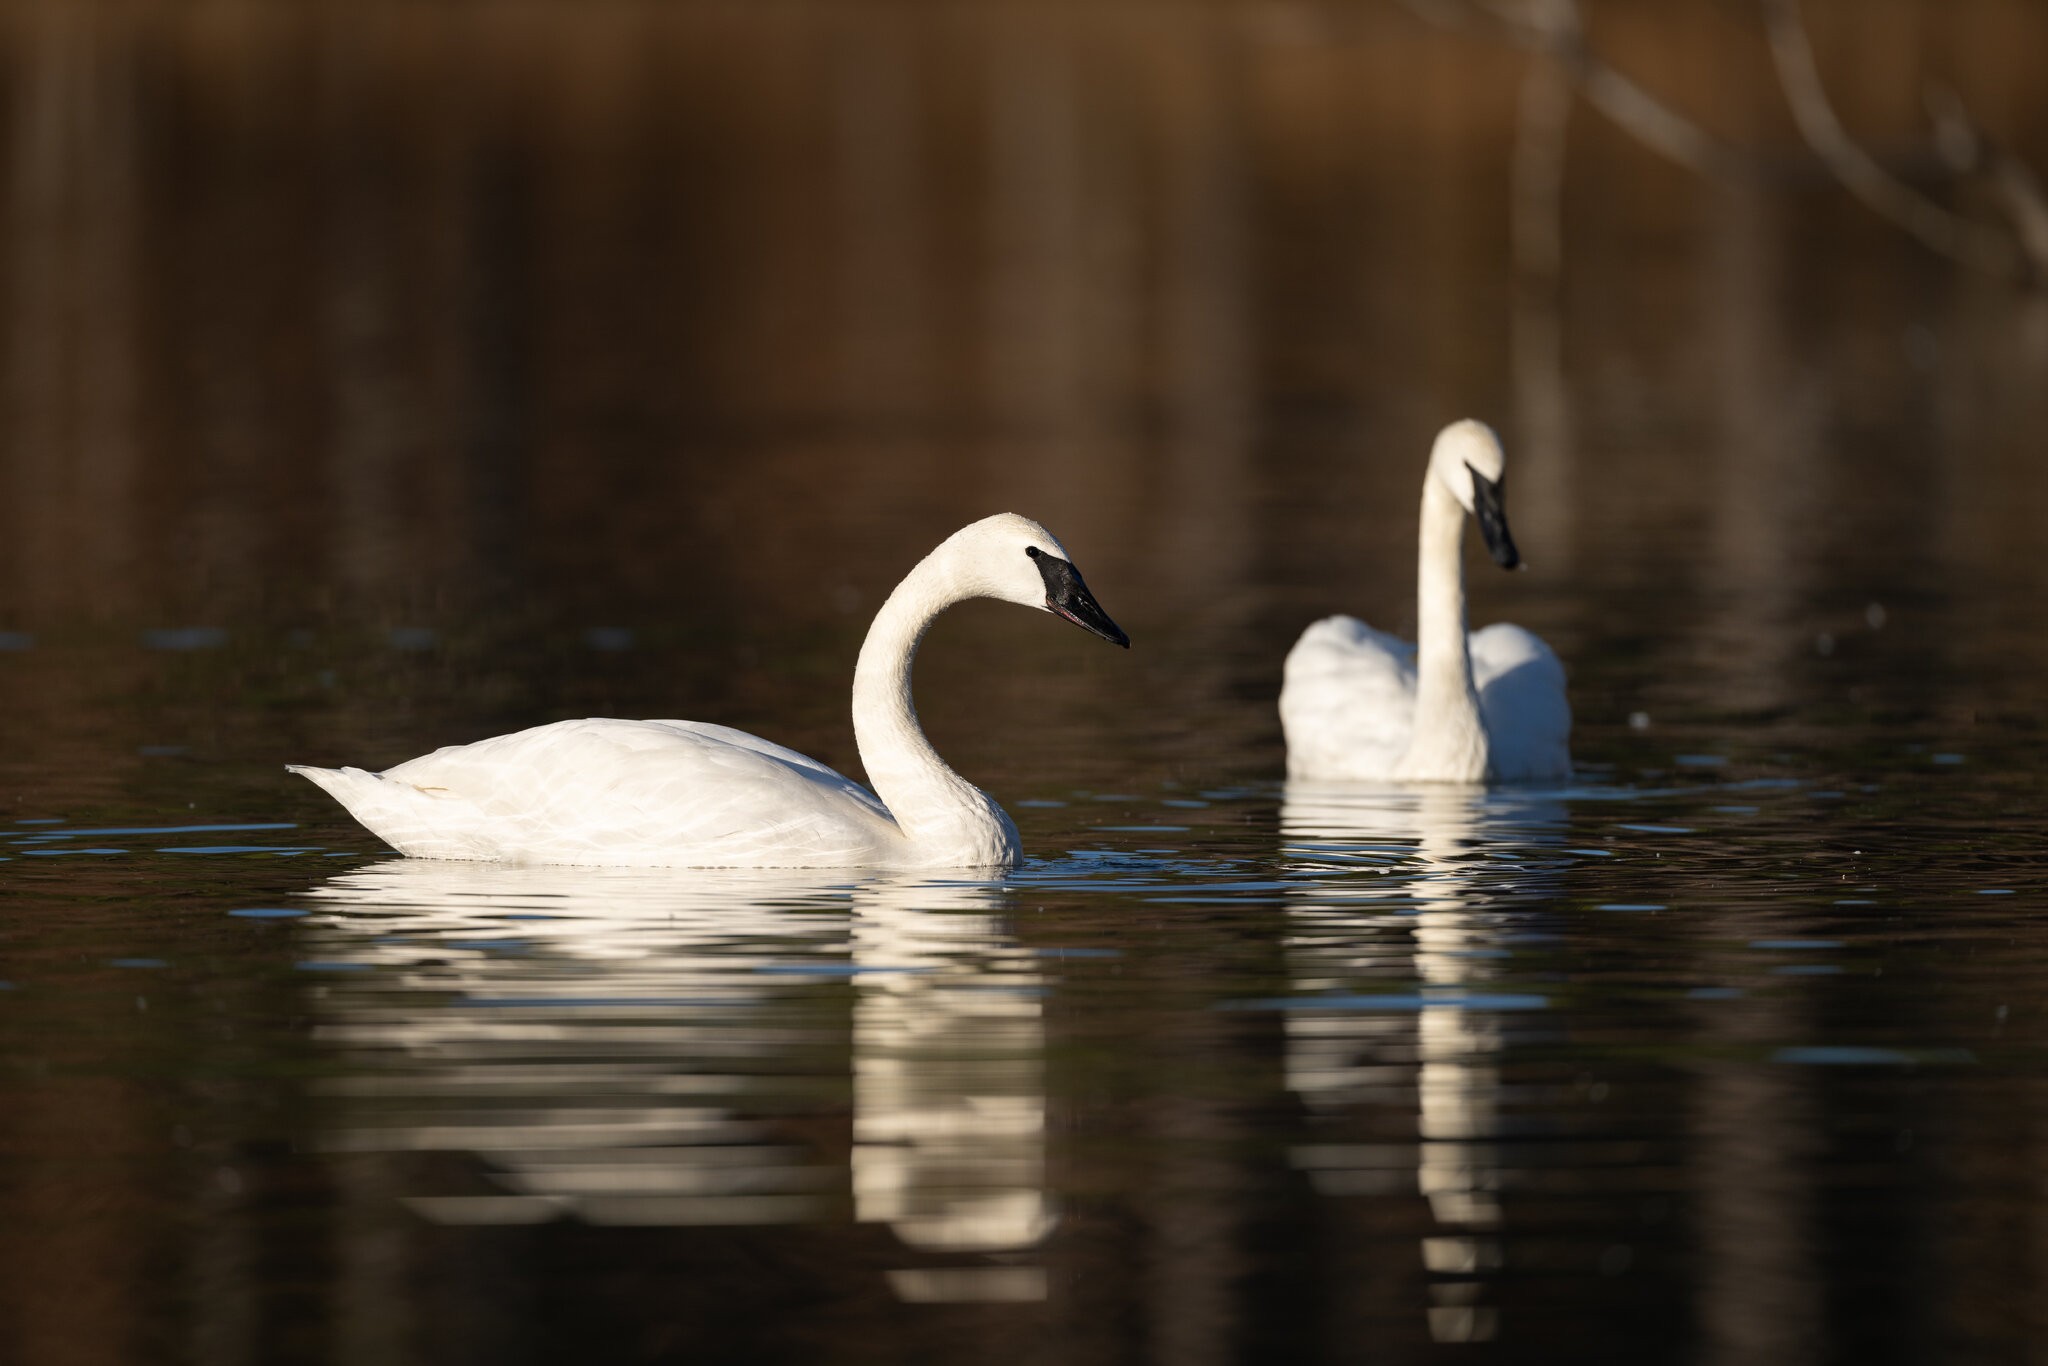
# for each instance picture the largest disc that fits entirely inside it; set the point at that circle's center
(1356, 704)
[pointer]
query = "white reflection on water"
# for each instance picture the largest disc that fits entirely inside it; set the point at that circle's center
(629, 1046)
(949, 1074)
(1398, 888)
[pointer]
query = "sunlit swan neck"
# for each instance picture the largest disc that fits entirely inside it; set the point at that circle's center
(931, 803)
(1448, 743)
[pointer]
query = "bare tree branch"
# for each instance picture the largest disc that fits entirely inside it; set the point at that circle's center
(2026, 203)
(1552, 29)
(1946, 232)
(1967, 150)
(1557, 31)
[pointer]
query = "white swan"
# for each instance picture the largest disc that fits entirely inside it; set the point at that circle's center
(1358, 704)
(688, 794)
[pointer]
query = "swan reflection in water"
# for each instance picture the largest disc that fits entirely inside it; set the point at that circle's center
(628, 1046)
(1415, 893)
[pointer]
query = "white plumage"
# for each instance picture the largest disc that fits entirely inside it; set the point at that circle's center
(1358, 704)
(1350, 691)
(602, 791)
(690, 794)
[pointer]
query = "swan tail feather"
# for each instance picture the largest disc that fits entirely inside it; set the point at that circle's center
(396, 812)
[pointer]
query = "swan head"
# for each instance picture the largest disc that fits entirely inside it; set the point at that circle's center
(1467, 460)
(1016, 560)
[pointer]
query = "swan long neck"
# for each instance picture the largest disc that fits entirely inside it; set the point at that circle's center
(922, 793)
(1448, 741)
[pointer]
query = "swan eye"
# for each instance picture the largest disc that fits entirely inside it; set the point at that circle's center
(1032, 551)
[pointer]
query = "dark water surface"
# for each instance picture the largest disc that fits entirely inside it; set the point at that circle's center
(375, 385)
(1737, 1056)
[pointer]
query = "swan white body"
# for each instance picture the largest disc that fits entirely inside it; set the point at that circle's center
(688, 794)
(1361, 705)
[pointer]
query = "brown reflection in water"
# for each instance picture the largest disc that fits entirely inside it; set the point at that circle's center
(411, 312)
(1545, 489)
(74, 1162)
(1759, 1298)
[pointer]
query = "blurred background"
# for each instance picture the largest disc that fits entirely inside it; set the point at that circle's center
(375, 376)
(495, 347)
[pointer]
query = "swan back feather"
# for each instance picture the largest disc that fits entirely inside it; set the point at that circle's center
(619, 793)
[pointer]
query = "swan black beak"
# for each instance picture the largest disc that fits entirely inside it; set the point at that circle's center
(1066, 596)
(1490, 507)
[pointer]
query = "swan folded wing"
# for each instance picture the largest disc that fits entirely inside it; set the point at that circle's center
(1522, 701)
(657, 793)
(1347, 700)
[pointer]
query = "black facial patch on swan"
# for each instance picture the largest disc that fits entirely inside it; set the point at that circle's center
(1066, 596)
(1489, 505)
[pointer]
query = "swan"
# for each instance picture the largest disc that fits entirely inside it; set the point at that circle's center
(690, 794)
(1359, 704)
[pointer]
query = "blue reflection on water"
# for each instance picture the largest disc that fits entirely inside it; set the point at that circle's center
(71, 833)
